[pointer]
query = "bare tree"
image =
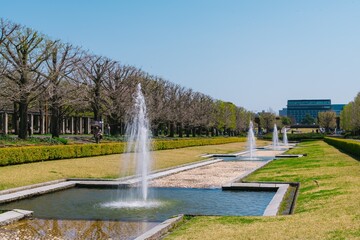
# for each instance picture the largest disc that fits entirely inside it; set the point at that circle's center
(6, 29)
(60, 71)
(155, 98)
(25, 51)
(118, 88)
(94, 73)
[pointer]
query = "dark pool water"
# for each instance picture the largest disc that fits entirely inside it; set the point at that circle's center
(105, 204)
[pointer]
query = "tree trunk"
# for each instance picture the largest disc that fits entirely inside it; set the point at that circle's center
(194, 132)
(55, 121)
(23, 128)
(15, 119)
(155, 131)
(180, 130)
(187, 131)
(172, 130)
(96, 115)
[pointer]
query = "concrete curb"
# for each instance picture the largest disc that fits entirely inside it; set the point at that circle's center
(35, 191)
(12, 190)
(13, 215)
(160, 230)
(274, 205)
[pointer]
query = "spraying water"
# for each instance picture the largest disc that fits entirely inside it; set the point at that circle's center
(285, 139)
(138, 141)
(251, 144)
(275, 138)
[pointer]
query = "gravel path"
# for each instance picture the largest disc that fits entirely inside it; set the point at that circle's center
(210, 176)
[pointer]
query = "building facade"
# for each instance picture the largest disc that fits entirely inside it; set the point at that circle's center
(299, 109)
(337, 108)
(283, 112)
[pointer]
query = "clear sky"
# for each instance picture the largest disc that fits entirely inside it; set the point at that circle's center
(254, 53)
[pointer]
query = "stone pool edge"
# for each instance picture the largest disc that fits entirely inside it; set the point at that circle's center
(13, 216)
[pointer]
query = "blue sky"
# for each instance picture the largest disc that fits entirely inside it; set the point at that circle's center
(254, 53)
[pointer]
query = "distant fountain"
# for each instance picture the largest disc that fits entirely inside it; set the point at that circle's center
(138, 142)
(275, 138)
(285, 139)
(251, 143)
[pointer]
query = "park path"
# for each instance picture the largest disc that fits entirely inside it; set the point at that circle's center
(210, 176)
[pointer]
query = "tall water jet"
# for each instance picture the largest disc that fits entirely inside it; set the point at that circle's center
(285, 139)
(275, 138)
(138, 140)
(251, 143)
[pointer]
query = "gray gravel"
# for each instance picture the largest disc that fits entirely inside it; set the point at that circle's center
(210, 176)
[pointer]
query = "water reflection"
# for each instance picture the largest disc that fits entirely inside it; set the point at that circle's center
(74, 229)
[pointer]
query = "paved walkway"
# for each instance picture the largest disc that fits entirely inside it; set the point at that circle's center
(211, 176)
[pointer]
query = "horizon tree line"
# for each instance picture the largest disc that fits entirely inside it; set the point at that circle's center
(60, 80)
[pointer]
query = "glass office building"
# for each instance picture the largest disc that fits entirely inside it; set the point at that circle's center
(337, 108)
(298, 109)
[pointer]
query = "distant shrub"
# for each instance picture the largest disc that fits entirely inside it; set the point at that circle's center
(62, 140)
(351, 147)
(11, 140)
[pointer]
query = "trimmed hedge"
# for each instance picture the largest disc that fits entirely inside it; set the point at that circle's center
(298, 136)
(181, 143)
(348, 146)
(19, 155)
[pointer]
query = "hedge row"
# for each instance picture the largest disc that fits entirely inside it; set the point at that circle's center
(19, 155)
(348, 146)
(181, 143)
(298, 136)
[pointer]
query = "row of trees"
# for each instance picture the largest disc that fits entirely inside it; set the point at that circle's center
(350, 116)
(326, 120)
(42, 74)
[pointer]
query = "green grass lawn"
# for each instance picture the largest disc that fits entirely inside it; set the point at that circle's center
(109, 166)
(329, 210)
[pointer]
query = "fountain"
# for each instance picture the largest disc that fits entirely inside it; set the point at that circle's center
(251, 144)
(275, 138)
(285, 139)
(138, 142)
(251, 154)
